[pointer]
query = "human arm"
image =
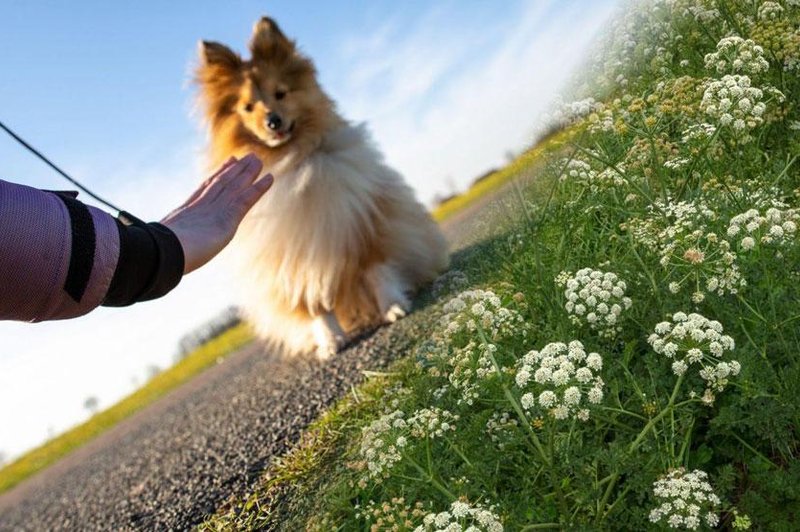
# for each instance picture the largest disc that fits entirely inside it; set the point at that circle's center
(60, 258)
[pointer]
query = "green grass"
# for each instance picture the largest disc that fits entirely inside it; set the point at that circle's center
(502, 177)
(699, 377)
(166, 381)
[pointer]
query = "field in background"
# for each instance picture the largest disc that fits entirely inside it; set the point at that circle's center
(192, 364)
(501, 177)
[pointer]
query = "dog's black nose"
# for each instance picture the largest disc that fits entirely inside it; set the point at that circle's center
(274, 121)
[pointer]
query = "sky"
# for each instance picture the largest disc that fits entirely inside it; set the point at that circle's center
(447, 88)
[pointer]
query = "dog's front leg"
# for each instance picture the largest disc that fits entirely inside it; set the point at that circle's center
(328, 334)
(390, 293)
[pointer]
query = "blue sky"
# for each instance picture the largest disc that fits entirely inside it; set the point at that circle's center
(104, 89)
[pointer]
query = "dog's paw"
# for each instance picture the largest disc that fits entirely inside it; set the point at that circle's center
(330, 346)
(328, 334)
(394, 313)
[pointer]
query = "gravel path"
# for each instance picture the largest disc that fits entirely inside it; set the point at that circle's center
(178, 460)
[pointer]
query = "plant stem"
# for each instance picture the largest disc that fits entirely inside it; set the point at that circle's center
(430, 478)
(546, 459)
(601, 512)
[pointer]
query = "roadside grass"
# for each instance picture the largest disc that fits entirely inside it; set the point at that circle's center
(285, 495)
(622, 352)
(166, 381)
(502, 177)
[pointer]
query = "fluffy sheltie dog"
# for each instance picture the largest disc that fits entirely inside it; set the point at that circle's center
(339, 243)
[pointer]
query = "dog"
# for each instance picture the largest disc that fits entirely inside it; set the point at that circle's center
(340, 243)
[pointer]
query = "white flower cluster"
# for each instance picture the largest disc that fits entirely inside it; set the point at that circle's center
(578, 170)
(431, 423)
(468, 367)
(698, 132)
(770, 11)
(602, 120)
(697, 257)
(695, 340)
(383, 440)
(500, 426)
(462, 517)
(775, 226)
(735, 55)
(676, 163)
(595, 297)
(464, 349)
(688, 499)
(735, 104)
(703, 11)
(474, 309)
(394, 514)
(683, 217)
(582, 173)
(564, 378)
(450, 281)
(380, 444)
(569, 113)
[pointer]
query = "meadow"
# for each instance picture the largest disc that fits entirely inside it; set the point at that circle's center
(621, 348)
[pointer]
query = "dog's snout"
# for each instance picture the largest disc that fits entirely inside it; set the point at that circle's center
(274, 121)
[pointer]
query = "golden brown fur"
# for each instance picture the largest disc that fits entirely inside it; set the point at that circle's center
(340, 241)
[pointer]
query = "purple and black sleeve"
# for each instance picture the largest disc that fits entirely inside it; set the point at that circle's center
(60, 258)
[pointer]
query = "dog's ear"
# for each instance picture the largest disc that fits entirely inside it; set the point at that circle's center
(214, 54)
(268, 40)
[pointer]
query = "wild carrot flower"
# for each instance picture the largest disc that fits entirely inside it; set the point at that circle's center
(450, 281)
(693, 340)
(475, 321)
(735, 104)
(561, 380)
(688, 500)
(383, 440)
(735, 55)
(472, 310)
(582, 173)
(698, 132)
(776, 226)
(770, 11)
(595, 297)
(500, 426)
(462, 517)
(394, 514)
(697, 257)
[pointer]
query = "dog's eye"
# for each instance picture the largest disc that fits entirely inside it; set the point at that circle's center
(248, 107)
(279, 95)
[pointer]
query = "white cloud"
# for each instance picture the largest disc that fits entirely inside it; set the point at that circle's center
(452, 103)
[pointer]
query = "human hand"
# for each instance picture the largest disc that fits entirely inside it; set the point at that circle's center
(207, 221)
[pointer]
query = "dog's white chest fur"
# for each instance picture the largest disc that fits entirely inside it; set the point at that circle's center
(339, 234)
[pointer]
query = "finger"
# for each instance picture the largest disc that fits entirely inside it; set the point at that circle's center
(222, 184)
(209, 181)
(249, 196)
(248, 174)
(225, 166)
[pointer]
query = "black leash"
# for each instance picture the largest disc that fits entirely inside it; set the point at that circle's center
(125, 217)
